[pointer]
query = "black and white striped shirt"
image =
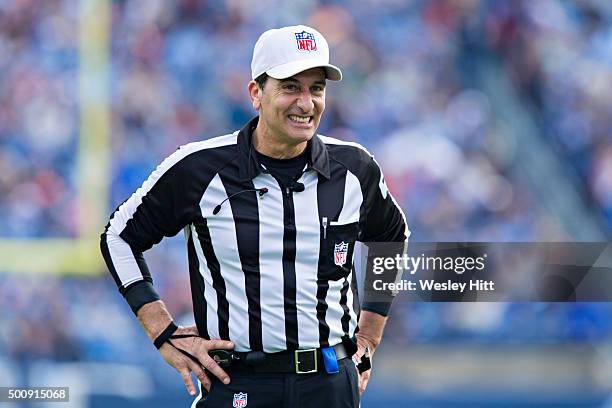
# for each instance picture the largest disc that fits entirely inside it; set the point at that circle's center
(269, 271)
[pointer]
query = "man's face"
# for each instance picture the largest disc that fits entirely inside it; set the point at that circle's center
(291, 108)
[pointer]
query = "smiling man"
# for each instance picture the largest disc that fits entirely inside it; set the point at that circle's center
(271, 215)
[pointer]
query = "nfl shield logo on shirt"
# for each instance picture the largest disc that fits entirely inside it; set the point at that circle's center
(240, 399)
(305, 41)
(340, 252)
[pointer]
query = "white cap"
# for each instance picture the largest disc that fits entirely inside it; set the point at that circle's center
(284, 52)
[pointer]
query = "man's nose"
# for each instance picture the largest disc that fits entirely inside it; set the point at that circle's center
(305, 102)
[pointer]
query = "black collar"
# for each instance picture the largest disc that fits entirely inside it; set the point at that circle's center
(248, 164)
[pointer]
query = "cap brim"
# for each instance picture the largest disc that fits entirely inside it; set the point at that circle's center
(289, 69)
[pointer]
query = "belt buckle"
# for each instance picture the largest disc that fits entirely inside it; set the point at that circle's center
(297, 361)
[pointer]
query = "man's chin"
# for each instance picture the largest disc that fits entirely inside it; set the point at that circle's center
(301, 135)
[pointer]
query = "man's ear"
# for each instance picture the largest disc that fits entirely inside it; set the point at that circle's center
(255, 94)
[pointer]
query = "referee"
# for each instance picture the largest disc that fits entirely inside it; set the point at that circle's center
(271, 214)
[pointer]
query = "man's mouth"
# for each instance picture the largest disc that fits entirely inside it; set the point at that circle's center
(300, 119)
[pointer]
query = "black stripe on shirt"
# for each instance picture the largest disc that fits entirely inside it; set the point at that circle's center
(289, 279)
(246, 220)
(215, 272)
(330, 199)
(197, 288)
(346, 317)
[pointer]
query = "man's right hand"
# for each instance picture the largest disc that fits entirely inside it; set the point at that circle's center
(197, 347)
(154, 318)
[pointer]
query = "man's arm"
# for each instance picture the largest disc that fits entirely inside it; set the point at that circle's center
(161, 207)
(386, 234)
(385, 224)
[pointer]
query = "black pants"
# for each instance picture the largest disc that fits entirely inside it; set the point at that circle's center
(317, 390)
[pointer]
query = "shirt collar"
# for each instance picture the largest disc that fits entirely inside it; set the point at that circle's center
(248, 164)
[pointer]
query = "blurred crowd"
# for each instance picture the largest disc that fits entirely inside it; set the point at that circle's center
(178, 73)
(38, 117)
(559, 54)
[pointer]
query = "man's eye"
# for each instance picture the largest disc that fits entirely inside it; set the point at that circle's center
(317, 88)
(291, 87)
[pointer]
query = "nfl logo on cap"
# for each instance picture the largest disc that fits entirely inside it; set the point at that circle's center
(340, 252)
(240, 400)
(306, 41)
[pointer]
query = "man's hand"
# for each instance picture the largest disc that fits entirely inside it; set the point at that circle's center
(197, 347)
(154, 318)
(362, 343)
(371, 326)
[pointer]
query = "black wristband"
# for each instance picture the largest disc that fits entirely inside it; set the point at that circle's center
(366, 363)
(165, 335)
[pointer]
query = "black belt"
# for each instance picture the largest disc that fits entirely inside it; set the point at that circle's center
(298, 361)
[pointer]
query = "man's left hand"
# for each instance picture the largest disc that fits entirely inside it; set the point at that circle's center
(364, 377)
